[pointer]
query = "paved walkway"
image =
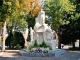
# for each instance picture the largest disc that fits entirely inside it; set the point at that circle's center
(10, 53)
(69, 55)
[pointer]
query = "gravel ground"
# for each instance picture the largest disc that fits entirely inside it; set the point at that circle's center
(69, 55)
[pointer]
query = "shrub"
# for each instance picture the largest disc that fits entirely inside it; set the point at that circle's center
(43, 44)
(36, 44)
(40, 45)
(14, 39)
(18, 46)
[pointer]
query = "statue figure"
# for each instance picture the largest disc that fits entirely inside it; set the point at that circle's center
(40, 20)
(41, 17)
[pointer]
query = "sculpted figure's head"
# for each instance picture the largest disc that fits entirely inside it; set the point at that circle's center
(41, 12)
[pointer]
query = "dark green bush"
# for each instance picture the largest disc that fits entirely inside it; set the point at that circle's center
(44, 44)
(34, 46)
(18, 46)
(35, 43)
(13, 39)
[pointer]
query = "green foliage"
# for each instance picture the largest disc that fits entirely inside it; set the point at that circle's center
(1, 2)
(13, 13)
(16, 17)
(71, 32)
(31, 21)
(34, 46)
(14, 39)
(35, 43)
(45, 51)
(55, 10)
(3, 11)
(44, 44)
(30, 47)
(18, 46)
(8, 40)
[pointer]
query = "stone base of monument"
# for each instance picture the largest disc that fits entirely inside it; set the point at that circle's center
(56, 53)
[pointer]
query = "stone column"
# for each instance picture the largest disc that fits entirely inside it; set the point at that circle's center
(44, 36)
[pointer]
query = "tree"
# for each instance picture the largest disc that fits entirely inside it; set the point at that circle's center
(3, 16)
(56, 11)
(16, 17)
(11, 11)
(15, 11)
(71, 32)
(32, 7)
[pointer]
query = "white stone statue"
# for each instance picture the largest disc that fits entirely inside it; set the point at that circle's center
(42, 31)
(40, 20)
(41, 17)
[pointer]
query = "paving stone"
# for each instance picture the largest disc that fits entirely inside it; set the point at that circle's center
(69, 55)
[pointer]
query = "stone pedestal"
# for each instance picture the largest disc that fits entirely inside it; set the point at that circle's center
(49, 54)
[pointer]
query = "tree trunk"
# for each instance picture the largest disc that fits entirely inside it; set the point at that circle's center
(3, 35)
(59, 42)
(28, 38)
(73, 44)
(59, 38)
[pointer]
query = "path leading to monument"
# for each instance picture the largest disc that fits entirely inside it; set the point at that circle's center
(69, 55)
(10, 53)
